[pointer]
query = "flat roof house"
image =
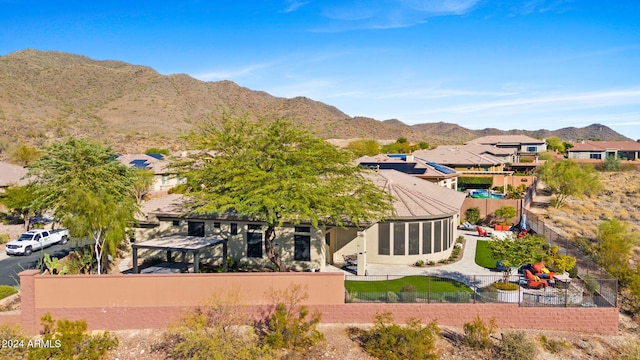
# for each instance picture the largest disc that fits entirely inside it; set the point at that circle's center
(423, 227)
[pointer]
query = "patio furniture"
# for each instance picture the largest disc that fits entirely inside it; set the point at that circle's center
(535, 282)
(482, 232)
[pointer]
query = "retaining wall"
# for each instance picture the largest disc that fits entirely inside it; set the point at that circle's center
(136, 301)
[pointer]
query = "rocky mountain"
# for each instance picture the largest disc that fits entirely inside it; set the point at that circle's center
(46, 95)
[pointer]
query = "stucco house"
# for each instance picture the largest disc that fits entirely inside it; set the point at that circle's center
(164, 177)
(525, 146)
(423, 227)
(412, 165)
(469, 158)
(600, 150)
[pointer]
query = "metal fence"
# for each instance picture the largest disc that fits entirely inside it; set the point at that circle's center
(478, 289)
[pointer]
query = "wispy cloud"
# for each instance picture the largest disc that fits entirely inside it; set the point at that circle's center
(561, 102)
(231, 74)
(387, 14)
(293, 5)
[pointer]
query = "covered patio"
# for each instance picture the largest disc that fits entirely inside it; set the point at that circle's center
(176, 243)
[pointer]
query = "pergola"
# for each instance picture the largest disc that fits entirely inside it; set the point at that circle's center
(178, 243)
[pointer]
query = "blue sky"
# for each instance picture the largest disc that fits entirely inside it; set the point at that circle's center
(507, 64)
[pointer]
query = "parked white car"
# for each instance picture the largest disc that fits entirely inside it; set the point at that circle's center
(36, 240)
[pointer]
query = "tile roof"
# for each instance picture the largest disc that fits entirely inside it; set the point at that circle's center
(604, 145)
(504, 139)
(458, 155)
(415, 198)
(418, 198)
(144, 161)
(12, 174)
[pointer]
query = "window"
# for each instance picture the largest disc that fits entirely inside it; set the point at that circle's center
(595, 156)
(532, 148)
(447, 241)
(383, 239)
(301, 247)
(175, 223)
(437, 237)
(399, 239)
(327, 239)
(195, 228)
(165, 179)
(426, 238)
(302, 243)
(414, 239)
(216, 225)
(254, 241)
(234, 229)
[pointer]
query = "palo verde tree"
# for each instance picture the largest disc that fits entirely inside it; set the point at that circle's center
(513, 252)
(567, 178)
(20, 199)
(614, 247)
(88, 190)
(275, 173)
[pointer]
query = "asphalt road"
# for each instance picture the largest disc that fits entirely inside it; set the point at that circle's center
(11, 266)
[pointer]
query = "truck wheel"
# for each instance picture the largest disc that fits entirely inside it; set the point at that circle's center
(27, 251)
(64, 240)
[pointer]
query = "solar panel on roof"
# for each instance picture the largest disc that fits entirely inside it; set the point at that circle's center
(441, 168)
(156, 156)
(140, 164)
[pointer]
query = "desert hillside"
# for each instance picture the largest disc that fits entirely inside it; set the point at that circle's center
(46, 95)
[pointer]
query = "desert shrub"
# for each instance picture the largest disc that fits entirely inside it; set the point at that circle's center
(389, 341)
(419, 263)
(287, 327)
(473, 215)
(552, 345)
(6, 291)
(517, 346)
(477, 334)
(70, 340)
(4, 238)
(506, 286)
(16, 343)
(392, 297)
(408, 293)
(630, 350)
(219, 330)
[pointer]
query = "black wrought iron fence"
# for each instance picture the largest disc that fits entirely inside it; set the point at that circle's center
(425, 289)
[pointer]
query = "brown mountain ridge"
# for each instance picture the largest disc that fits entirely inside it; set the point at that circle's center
(46, 95)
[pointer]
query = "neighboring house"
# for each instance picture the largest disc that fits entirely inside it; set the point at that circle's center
(525, 146)
(409, 164)
(471, 158)
(600, 150)
(12, 175)
(424, 227)
(164, 178)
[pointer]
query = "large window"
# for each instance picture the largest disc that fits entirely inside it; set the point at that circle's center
(595, 156)
(383, 239)
(254, 241)
(398, 239)
(195, 228)
(302, 247)
(426, 238)
(414, 239)
(437, 236)
(532, 148)
(447, 240)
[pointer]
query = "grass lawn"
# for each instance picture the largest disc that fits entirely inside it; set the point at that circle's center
(483, 255)
(422, 283)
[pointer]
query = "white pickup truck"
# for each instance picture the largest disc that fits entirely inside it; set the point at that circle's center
(36, 240)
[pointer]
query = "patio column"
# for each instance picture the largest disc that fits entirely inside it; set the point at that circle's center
(361, 242)
(196, 261)
(169, 256)
(135, 260)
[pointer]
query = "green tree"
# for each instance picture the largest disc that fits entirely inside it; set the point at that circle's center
(615, 243)
(88, 190)
(363, 147)
(272, 172)
(24, 154)
(555, 143)
(505, 212)
(473, 215)
(142, 183)
(21, 200)
(513, 252)
(567, 178)
(155, 150)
